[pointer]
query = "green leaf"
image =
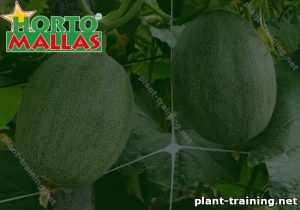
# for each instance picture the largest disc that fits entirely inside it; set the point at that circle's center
(15, 182)
(6, 6)
(5, 81)
(279, 145)
(199, 165)
(191, 165)
(288, 33)
(166, 35)
(230, 190)
(13, 178)
(161, 69)
(146, 138)
(9, 103)
(245, 185)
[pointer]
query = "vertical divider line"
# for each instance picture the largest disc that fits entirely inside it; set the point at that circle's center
(173, 138)
(173, 159)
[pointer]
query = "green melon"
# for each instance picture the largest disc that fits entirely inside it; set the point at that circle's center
(75, 118)
(224, 78)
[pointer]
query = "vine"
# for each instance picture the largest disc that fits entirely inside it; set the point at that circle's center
(117, 18)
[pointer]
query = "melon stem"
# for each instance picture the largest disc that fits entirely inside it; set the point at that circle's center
(75, 199)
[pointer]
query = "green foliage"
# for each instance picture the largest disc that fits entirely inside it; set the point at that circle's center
(142, 46)
(278, 146)
(9, 103)
(15, 182)
(289, 33)
(192, 165)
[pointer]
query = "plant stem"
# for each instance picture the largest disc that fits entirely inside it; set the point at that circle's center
(13, 85)
(85, 8)
(293, 4)
(153, 50)
(158, 11)
(142, 60)
(75, 199)
(251, 181)
(105, 23)
(111, 24)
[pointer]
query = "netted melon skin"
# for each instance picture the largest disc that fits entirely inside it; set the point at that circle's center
(224, 78)
(75, 118)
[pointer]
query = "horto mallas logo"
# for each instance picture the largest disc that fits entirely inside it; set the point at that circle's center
(43, 34)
